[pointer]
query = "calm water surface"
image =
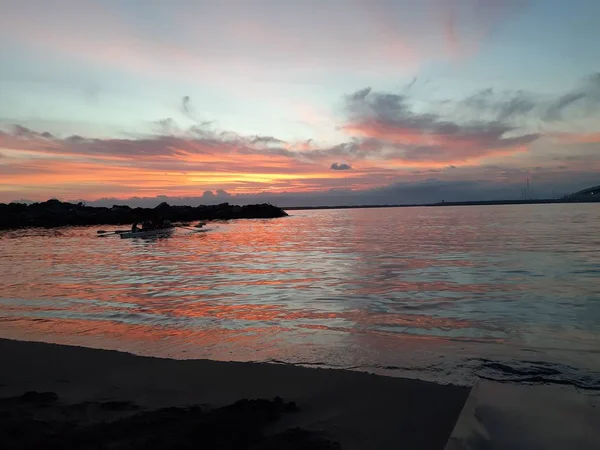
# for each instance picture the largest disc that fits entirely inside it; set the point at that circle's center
(445, 294)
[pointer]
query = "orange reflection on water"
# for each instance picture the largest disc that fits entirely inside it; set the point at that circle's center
(349, 286)
(149, 340)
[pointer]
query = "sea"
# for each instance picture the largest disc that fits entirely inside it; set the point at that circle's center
(446, 294)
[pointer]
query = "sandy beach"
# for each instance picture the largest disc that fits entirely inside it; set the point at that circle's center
(316, 408)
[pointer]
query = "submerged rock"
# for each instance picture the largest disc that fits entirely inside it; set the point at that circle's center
(54, 213)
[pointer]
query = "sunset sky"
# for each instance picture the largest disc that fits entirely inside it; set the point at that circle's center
(308, 102)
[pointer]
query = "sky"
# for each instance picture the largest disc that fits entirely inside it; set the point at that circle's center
(297, 103)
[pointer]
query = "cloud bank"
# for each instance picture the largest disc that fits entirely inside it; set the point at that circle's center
(487, 142)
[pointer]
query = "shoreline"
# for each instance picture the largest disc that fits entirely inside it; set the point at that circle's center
(462, 203)
(354, 409)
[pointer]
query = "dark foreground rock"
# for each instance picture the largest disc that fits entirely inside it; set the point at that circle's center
(33, 422)
(54, 213)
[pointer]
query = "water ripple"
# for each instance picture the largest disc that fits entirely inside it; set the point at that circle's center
(440, 293)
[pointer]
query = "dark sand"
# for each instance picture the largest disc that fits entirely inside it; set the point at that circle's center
(109, 397)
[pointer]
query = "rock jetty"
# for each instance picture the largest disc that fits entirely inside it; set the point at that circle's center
(54, 213)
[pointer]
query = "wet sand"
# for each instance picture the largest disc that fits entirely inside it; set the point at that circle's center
(91, 389)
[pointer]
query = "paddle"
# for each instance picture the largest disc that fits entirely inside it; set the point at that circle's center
(189, 228)
(107, 233)
(186, 224)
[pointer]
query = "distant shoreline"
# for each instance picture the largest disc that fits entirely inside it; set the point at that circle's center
(467, 203)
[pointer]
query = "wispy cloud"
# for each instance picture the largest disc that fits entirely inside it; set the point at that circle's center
(364, 37)
(466, 23)
(580, 102)
(185, 105)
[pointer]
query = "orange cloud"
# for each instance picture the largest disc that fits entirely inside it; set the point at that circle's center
(183, 165)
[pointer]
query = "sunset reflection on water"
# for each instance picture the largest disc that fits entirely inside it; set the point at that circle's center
(410, 288)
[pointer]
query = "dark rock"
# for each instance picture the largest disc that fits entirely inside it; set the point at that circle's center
(118, 406)
(39, 397)
(299, 439)
(54, 213)
(242, 425)
(291, 407)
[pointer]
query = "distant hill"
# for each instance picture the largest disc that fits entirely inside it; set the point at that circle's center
(591, 194)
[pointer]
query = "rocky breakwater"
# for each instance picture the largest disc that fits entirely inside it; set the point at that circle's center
(54, 213)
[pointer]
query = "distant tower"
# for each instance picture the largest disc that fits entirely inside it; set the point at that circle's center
(528, 191)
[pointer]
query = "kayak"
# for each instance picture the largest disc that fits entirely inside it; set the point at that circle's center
(147, 233)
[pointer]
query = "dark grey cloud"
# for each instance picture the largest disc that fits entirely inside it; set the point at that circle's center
(340, 166)
(187, 109)
(219, 195)
(21, 131)
(518, 105)
(504, 105)
(389, 124)
(556, 109)
(359, 96)
(266, 140)
(166, 126)
(202, 129)
(185, 105)
(154, 146)
(222, 193)
(76, 139)
(350, 149)
(273, 151)
(582, 101)
(26, 133)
